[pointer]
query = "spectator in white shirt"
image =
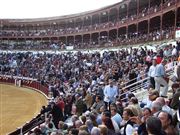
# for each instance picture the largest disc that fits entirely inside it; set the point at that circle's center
(169, 66)
(151, 73)
(176, 76)
(110, 93)
(174, 51)
(128, 127)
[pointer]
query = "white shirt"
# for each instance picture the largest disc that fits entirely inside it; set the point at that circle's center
(147, 102)
(167, 109)
(110, 93)
(175, 71)
(152, 70)
(129, 130)
(174, 51)
(169, 66)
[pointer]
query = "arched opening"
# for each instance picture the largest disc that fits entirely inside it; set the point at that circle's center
(168, 21)
(70, 23)
(103, 37)
(78, 41)
(41, 44)
(62, 42)
(86, 40)
(122, 35)
(143, 30)
(155, 3)
(62, 25)
(154, 6)
(154, 29)
(78, 23)
(87, 21)
(143, 6)
(113, 14)
(94, 38)
(123, 12)
(113, 35)
(104, 17)
(95, 19)
(143, 27)
(132, 9)
(132, 33)
(70, 40)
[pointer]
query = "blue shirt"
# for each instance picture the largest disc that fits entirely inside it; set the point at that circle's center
(117, 118)
(159, 71)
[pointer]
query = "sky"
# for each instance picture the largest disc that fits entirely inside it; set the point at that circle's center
(19, 9)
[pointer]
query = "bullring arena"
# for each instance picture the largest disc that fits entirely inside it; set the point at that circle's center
(110, 71)
(17, 106)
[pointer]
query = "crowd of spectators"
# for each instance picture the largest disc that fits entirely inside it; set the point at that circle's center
(86, 90)
(102, 41)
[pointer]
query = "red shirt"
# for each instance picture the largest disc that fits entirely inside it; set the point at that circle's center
(158, 60)
(61, 104)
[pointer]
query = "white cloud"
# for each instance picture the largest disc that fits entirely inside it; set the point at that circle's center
(48, 8)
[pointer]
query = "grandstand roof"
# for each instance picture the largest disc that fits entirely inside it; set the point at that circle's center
(80, 8)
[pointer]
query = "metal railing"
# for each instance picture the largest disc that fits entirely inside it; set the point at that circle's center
(142, 84)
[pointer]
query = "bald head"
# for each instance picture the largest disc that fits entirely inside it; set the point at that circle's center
(160, 100)
(156, 107)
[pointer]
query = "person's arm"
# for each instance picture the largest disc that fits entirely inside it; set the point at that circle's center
(142, 125)
(105, 92)
(93, 106)
(175, 72)
(116, 92)
(150, 70)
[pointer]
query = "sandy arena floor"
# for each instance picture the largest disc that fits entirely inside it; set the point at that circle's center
(17, 106)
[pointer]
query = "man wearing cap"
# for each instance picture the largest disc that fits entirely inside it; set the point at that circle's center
(159, 78)
(110, 93)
